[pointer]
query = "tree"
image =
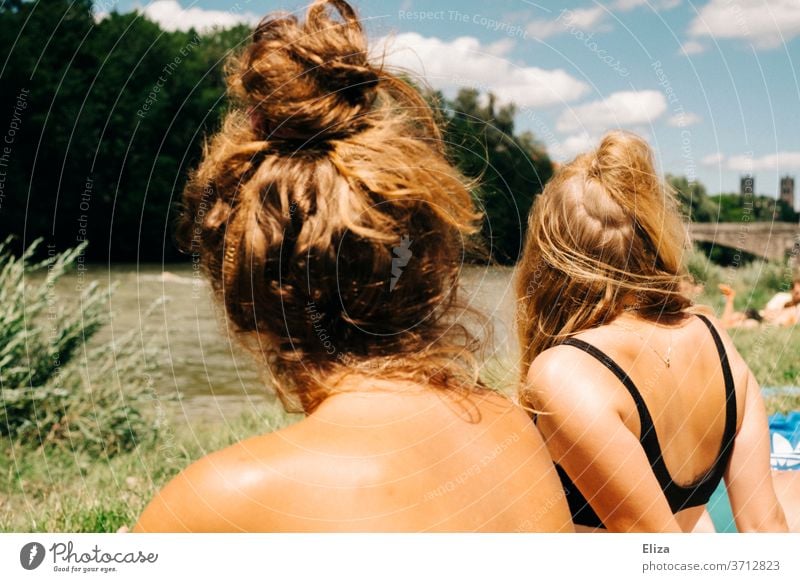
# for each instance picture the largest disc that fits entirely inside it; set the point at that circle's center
(734, 207)
(511, 169)
(117, 113)
(693, 199)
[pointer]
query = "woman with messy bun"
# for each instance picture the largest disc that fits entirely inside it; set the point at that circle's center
(643, 400)
(332, 229)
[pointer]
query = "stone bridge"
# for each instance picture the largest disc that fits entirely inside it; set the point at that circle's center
(770, 240)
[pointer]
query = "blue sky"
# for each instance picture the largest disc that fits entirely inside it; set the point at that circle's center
(713, 84)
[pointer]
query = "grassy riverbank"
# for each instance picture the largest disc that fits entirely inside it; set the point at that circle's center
(71, 485)
(772, 353)
(58, 490)
(774, 356)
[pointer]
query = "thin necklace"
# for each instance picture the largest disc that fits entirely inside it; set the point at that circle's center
(666, 359)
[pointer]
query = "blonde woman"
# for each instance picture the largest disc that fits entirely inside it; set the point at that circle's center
(331, 225)
(644, 402)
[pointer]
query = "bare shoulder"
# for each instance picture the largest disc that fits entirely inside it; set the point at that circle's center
(567, 376)
(743, 379)
(550, 366)
(739, 367)
(225, 491)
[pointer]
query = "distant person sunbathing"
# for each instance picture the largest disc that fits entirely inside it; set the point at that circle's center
(783, 310)
(332, 229)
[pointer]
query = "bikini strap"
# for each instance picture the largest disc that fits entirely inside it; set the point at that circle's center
(729, 433)
(647, 431)
(677, 495)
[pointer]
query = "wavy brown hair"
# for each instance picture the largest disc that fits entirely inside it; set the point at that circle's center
(324, 165)
(605, 235)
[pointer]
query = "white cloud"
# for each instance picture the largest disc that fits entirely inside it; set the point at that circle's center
(572, 146)
(692, 47)
(713, 159)
(172, 16)
(625, 108)
(578, 19)
(465, 62)
(684, 119)
(501, 47)
(628, 4)
(757, 21)
(777, 162)
(625, 5)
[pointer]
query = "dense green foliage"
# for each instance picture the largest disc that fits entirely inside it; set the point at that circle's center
(759, 208)
(698, 206)
(693, 198)
(510, 169)
(109, 117)
(56, 389)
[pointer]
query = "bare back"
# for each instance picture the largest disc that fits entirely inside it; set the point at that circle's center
(594, 427)
(686, 398)
(416, 460)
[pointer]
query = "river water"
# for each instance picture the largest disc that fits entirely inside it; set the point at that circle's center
(171, 308)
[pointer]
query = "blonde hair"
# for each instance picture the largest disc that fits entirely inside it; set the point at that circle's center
(605, 235)
(324, 165)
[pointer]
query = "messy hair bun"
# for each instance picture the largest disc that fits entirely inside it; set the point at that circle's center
(605, 235)
(326, 215)
(307, 81)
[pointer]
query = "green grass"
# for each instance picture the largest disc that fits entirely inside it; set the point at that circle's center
(755, 283)
(772, 354)
(56, 490)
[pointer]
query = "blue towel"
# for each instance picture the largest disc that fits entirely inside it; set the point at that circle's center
(784, 436)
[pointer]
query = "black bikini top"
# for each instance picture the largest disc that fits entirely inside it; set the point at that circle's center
(679, 497)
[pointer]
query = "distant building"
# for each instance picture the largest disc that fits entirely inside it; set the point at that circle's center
(787, 191)
(748, 185)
